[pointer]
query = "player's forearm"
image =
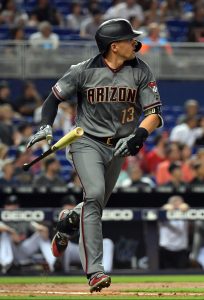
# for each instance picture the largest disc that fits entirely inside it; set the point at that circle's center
(151, 122)
(49, 110)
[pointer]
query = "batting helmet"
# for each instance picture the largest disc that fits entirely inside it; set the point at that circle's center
(115, 30)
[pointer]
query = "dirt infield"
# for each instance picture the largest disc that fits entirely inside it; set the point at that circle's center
(141, 289)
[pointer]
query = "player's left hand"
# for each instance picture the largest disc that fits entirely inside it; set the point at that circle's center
(132, 144)
(44, 133)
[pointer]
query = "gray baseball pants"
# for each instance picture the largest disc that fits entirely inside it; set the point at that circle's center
(98, 171)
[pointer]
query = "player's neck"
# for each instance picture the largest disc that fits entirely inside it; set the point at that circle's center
(114, 62)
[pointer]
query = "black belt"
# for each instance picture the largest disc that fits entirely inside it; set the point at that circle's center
(110, 141)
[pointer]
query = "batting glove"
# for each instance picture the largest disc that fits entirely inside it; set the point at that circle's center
(132, 144)
(44, 133)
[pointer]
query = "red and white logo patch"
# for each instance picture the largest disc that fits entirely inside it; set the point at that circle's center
(153, 86)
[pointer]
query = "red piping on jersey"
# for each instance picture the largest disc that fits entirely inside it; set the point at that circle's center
(113, 70)
(56, 94)
(83, 238)
(82, 220)
(152, 105)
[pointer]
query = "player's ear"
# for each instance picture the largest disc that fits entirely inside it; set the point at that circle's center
(114, 47)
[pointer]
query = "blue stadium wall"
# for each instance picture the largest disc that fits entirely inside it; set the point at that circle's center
(173, 92)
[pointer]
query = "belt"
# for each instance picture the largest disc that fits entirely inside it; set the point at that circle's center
(110, 141)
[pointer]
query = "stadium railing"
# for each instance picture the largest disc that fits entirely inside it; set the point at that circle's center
(19, 60)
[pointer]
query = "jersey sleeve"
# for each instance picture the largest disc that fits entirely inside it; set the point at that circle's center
(68, 85)
(148, 94)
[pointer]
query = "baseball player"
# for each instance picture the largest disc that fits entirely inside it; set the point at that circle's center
(113, 89)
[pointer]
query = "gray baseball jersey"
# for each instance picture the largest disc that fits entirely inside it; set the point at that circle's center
(110, 103)
(109, 99)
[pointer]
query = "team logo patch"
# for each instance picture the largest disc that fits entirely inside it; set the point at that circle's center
(153, 86)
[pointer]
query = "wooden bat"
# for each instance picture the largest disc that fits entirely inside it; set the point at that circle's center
(63, 142)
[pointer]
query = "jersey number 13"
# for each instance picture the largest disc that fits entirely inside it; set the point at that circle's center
(128, 115)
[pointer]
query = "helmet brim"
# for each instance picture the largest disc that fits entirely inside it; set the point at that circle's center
(137, 33)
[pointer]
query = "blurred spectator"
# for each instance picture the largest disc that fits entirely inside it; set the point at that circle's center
(174, 153)
(69, 114)
(137, 179)
(17, 33)
(5, 93)
(200, 155)
(29, 100)
(50, 177)
(76, 17)
(157, 154)
(123, 180)
(191, 107)
(171, 10)
(3, 154)
(125, 10)
(8, 174)
(23, 133)
(44, 38)
(71, 254)
(200, 141)
(11, 15)
(44, 11)
(139, 159)
(136, 25)
(65, 117)
(75, 184)
(17, 246)
(6, 124)
(152, 12)
(154, 42)
(176, 182)
(187, 133)
(173, 237)
(92, 5)
(186, 159)
(24, 155)
(14, 48)
(199, 174)
(90, 25)
(196, 27)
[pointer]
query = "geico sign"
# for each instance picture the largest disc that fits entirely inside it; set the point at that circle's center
(22, 215)
(191, 214)
(117, 215)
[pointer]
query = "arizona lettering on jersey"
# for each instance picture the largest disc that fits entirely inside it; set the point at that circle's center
(111, 94)
(107, 100)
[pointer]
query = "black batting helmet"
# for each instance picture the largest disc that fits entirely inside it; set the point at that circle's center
(115, 30)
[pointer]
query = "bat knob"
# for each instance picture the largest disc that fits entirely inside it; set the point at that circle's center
(25, 167)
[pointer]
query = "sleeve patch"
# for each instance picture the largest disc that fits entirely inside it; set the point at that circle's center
(153, 85)
(56, 93)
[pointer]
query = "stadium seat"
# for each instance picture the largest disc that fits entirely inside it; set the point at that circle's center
(178, 30)
(4, 32)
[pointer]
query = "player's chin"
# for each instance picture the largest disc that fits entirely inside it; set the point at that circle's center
(131, 56)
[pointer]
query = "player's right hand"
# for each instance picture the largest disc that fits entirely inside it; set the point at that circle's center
(44, 133)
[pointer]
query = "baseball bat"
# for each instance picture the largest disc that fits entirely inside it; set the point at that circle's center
(63, 142)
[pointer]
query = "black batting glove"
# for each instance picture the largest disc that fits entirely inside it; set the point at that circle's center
(44, 133)
(132, 144)
(136, 142)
